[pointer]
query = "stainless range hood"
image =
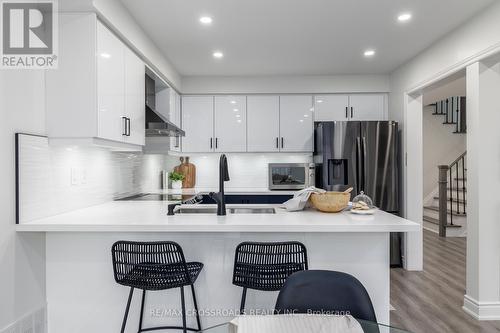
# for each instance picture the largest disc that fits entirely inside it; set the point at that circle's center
(156, 123)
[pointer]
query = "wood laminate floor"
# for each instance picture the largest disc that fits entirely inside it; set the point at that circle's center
(431, 301)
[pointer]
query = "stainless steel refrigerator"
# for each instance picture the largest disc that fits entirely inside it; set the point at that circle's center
(362, 155)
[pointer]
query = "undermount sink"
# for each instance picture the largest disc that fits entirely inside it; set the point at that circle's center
(251, 210)
(232, 210)
(193, 210)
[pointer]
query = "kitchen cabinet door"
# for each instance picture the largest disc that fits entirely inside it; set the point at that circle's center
(198, 123)
(175, 142)
(296, 124)
(230, 123)
(263, 123)
(331, 108)
(110, 85)
(367, 107)
(135, 98)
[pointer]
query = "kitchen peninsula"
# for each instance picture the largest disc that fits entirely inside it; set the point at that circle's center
(79, 276)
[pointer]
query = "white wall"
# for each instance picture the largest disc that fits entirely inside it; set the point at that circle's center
(22, 257)
(441, 147)
(245, 170)
(284, 84)
(115, 15)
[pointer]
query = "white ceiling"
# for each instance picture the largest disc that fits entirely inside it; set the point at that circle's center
(296, 37)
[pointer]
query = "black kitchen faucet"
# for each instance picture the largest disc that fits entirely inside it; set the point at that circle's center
(223, 176)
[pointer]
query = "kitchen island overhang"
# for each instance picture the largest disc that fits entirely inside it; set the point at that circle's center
(79, 275)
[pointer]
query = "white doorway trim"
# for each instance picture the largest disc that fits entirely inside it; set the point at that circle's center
(413, 173)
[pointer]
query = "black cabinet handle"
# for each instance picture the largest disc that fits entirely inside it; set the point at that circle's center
(346, 112)
(277, 143)
(211, 145)
(282, 144)
(352, 112)
(124, 131)
(128, 126)
(216, 143)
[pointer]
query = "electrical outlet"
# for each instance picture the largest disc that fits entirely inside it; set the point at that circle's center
(74, 176)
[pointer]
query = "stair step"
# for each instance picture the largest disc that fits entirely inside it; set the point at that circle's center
(461, 179)
(449, 123)
(453, 212)
(436, 221)
(454, 200)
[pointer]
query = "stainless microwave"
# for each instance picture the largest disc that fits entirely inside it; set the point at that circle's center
(291, 176)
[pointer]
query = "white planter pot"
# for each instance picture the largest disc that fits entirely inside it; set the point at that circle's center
(177, 184)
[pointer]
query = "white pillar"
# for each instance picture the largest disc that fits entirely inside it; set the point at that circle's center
(414, 181)
(482, 299)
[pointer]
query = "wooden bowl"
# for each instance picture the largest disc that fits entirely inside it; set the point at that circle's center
(330, 202)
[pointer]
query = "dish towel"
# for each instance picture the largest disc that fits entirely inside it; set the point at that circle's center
(300, 198)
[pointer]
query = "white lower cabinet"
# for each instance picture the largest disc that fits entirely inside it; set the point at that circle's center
(198, 123)
(230, 124)
(296, 123)
(263, 123)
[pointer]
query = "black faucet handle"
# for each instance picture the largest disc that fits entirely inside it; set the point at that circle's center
(171, 208)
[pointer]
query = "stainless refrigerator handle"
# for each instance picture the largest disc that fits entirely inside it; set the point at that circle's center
(358, 164)
(364, 164)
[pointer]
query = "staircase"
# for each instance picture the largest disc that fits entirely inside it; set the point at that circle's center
(453, 178)
(453, 188)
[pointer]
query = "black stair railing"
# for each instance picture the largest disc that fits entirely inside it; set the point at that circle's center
(454, 111)
(450, 191)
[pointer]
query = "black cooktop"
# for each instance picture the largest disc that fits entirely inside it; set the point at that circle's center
(156, 197)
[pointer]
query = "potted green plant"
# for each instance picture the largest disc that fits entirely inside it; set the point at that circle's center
(176, 179)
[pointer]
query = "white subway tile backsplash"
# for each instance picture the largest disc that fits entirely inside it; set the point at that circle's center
(246, 170)
(55, 180)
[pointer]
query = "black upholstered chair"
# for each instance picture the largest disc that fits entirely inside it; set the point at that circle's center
(326, 292)
(154, 266)
(266, 266)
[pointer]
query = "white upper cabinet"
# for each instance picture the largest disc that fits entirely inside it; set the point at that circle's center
(331, 107)
(98, 90)
(134, 98)
(175, 118)
(367, 107)
(112, 118)
(263, 123)
(296, 123)
(230, 123)
(341, 107)
(198, 123)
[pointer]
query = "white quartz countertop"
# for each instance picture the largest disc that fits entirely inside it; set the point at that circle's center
(151, 216)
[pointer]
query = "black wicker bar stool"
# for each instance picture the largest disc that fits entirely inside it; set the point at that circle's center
(266, 266)
(154, 266)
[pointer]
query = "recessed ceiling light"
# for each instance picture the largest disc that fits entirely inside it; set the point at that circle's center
(106, 55)
(237, 116)
(369, 53)
(218, 54)
(233, 102)
(403, 17)
(206, 20)
(236, 110)
(319, 101)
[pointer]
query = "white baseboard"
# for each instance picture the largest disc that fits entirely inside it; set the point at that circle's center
(32, 322)
(481, 310)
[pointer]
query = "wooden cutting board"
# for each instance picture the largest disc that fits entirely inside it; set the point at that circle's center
(189, 171)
